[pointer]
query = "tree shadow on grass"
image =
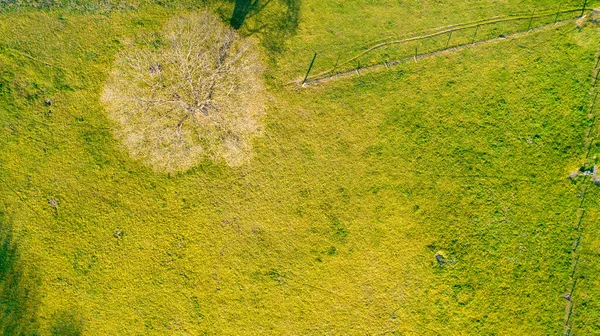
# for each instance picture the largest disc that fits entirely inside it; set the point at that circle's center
(243, 8)
(19, 295)
(67, 323)
(272, 21)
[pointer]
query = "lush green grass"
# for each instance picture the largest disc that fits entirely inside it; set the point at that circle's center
(334, 227)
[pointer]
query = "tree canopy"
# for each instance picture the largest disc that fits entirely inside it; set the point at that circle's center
(193, 93)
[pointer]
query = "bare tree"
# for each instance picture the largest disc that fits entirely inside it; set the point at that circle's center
(194, 93)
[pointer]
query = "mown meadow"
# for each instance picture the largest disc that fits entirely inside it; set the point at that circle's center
(354, 187)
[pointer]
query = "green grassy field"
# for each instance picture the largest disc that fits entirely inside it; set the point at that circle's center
(355, 185)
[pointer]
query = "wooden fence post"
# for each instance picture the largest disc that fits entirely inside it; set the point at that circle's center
(309, 67)
(583, 9)
(531, 20)
(558, 11)
(449, 37)
(335, 66)
(594, 103)
(416, 52)
(475, 35)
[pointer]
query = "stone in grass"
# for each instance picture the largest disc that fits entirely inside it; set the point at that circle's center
(574, 175)
(441, 260)
(53, 203)
(594, 173)
(567, 296)
(118, 234)
(586, 170)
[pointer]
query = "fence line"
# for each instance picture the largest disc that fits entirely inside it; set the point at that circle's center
(388, 64)
(589, 139)
(480, 21)
(435, 33)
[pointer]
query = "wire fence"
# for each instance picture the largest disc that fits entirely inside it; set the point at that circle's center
(594, 179)
(390, 51)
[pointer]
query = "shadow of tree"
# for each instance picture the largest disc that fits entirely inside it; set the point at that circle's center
(67, 323)
(18, 291)
(272, 21)
(243, 8)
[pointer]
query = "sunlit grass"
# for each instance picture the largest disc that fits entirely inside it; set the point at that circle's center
(334, 226)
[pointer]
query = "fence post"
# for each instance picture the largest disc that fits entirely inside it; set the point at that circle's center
(358, 68)
(558, 11)
(531, 20)
(583, 9)
(309, 67)
(449, 37)
(335, 66)
(571, 303)
(475, 35)
(386, 65)
(594, 102)
(416, 52)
